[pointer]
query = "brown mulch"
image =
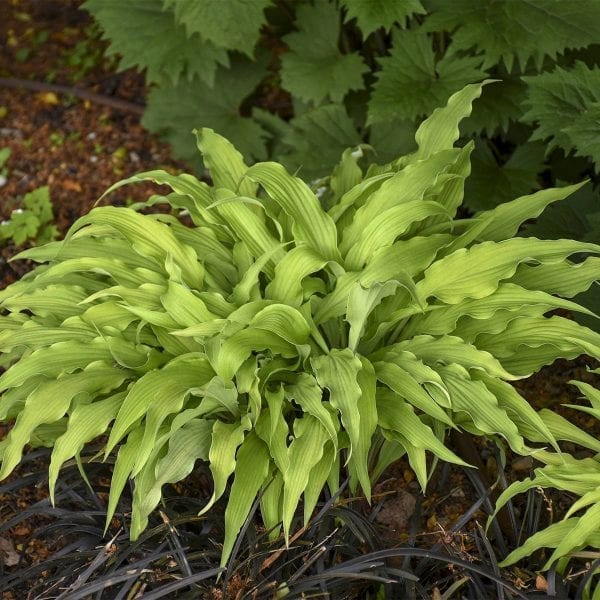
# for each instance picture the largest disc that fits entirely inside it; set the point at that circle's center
(80, 146)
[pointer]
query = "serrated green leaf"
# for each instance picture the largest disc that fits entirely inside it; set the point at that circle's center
(175, 56)
(524, 30)
(200, 105)
(391, 139)
(499, 106)
(585, 132)
(374, 14)
(317, 138)
(491, 184)
(229, 24)
(558, 103)
(411, 83)
(314, 69)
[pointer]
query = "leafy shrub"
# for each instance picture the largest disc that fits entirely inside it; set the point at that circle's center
(281, 342)
(348, 71)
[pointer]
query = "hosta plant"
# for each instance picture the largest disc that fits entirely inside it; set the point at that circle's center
(580, 528)
(283, 337)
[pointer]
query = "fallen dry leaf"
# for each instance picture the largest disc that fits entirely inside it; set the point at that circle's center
(10, 557)
(541, 584)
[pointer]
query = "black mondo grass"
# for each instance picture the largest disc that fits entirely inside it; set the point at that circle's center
(341, 554)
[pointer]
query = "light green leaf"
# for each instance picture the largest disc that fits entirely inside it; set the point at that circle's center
(361, 302)
(550, 537)
(528, 343)
(251, 471)
(307, 393)
(273, 429)
(474, 399)
(311, 223)
(504, 221)
(398, 417)
(440, 130)
(50, 401)
(147, 237)
(367, 409)
(445, 350)
(86, 422)
(160, 387)
(305, 452)
(564, 278)
(226, 165)
(313, 68)
(402, 383)
(385, 227)
(186, 445)
(508, 297)
(226, 438)
(338, 372)
(290, 271)
(122, 469)
(477, 271)
(564, 430)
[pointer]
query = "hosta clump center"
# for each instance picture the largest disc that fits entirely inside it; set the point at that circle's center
(282, 342)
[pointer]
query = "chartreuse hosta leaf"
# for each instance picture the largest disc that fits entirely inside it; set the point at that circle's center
(283, 343)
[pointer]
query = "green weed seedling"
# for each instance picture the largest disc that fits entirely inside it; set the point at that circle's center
(34, 221)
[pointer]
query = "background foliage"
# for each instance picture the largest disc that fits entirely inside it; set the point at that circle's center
(301, 81)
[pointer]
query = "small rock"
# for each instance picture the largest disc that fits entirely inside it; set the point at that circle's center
(397, 510)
